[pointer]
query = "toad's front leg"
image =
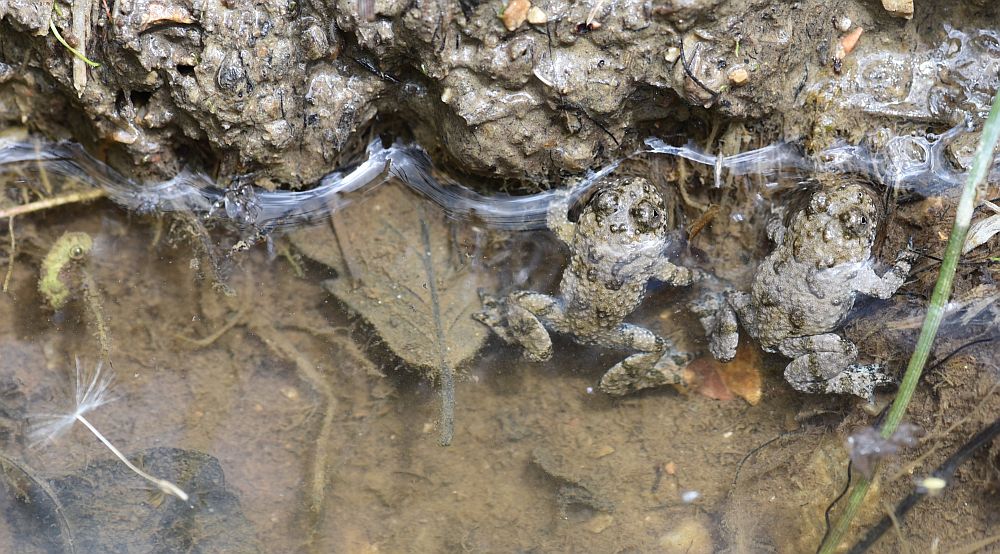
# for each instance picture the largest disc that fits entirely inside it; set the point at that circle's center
(870, 283)
(717, 312)
(521, 319)
(825, 364)
(676, 275)
(657, 363)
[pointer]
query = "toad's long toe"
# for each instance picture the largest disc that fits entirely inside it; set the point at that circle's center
(645, 370)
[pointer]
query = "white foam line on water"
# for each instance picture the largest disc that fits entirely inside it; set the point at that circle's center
(249, 206)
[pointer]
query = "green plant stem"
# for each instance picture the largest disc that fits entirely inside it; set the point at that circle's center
(935, 311)
(77, 53)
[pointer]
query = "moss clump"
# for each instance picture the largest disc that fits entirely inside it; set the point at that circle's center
(71, 248)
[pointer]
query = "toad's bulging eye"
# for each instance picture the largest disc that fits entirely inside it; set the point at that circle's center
(646, 216)
(76, 252)
(606, 202)
(854, 222)
(818, 203)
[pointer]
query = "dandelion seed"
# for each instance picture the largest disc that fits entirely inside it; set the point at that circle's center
(90, 394)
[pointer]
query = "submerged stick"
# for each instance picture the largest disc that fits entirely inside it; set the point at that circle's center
(11, 254)
(935, 312)
(53, 202)
(66, 532)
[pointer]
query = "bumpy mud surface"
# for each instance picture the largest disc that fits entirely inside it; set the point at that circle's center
(284, 88)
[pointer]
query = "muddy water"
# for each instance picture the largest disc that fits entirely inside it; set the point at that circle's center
(295, 429)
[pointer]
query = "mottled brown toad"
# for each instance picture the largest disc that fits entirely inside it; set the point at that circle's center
(805, 288)
(617, 245)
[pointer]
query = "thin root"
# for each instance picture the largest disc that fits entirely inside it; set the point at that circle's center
(53, 202)
(317, 480)
(10, 257)
(93, 298)
(205, 342)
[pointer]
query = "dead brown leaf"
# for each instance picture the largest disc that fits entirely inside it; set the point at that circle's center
(725, 381)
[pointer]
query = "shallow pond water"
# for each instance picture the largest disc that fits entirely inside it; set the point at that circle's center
(296, 428)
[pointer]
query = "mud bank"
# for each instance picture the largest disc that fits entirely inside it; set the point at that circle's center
(289, 89)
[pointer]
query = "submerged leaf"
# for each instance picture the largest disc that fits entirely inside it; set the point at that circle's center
(982, 230)
(406, 276)
(740, 377)
(401, 267)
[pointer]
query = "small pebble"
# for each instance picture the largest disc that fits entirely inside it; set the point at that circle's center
(899, 8)
(691, 536)
(603, 451)
(738, 76)
(933, 485)
(515, 14)
(670, 468)
(536, 16)
(672, 54)
(599, 523)
(690, 496)
(842, 23)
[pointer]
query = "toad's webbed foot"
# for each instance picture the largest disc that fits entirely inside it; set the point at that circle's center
(825, 364)
(718, 318)
(645, 370)
(517, 320)
(657, 363)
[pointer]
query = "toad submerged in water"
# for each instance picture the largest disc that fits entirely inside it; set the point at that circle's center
(805, 288)
(617, 245)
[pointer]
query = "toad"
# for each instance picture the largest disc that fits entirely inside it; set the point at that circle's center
(616, 246)
(804, 289)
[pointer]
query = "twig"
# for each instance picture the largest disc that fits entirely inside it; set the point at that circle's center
(53, 202)
(204, 342)
(10, 256)
(935, 312)
(593, 12)
(66, 532)
(93, 299)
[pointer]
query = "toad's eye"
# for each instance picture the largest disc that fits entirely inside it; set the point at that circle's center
(76, 252)
(606, 202)
(646, 216)
(854, 222)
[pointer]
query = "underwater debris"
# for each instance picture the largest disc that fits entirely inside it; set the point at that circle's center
(398, 269)
(64, 273)
(931, 485)
(867, 447)
(90, 394)
(575, 489)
